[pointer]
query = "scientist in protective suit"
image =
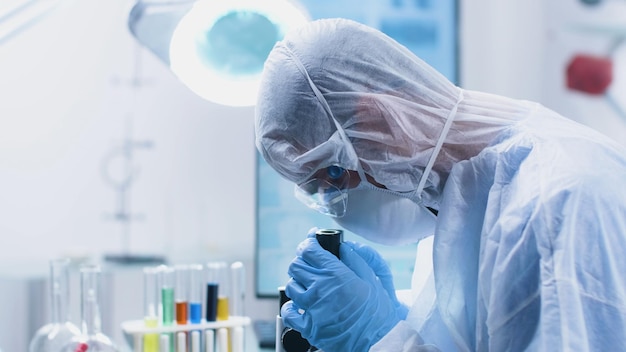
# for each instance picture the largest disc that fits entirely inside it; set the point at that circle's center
(527, 208)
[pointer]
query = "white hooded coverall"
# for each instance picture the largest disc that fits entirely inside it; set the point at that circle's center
(530, 243)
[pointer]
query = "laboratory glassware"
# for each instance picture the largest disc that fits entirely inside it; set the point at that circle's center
(218, 273)
(60, 330)
(167, 281)
(181, 294)
(211, 300)
(166, 285)
(91, 339)
(238, 288)
(196, 281)
(151, 308)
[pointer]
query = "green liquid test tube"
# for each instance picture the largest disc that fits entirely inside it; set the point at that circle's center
(167, 282)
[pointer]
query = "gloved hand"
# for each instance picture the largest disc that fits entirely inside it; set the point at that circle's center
(345, 306)
(382, 271)
(380, 268)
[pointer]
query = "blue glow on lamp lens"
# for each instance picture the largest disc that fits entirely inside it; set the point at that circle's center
(219, 47)
(238, 43)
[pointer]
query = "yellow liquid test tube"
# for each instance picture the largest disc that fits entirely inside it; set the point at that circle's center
(151, 317)
(151, 341)
(222, 308)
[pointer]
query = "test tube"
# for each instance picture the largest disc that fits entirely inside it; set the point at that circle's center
(218, 272)
(151, 314)
(209, 340)
(195, 341)
(238, 283)
(237, 339)
(181, 341)
(196, 283)
(164, 343)
(212, 289)
(166, 283)
(221, 342)
(181, 294)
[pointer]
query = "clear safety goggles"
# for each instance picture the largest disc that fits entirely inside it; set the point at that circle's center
(326, 191)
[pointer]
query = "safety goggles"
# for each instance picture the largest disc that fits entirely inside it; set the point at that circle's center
(326, 191)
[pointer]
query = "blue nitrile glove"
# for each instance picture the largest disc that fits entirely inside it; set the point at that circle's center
(380, 268)
(382, 271)
(345, 306)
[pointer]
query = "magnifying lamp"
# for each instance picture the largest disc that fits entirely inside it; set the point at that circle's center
(216, 48)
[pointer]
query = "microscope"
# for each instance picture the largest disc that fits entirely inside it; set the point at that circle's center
(288, 339)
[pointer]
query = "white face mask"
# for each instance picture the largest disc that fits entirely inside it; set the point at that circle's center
(386, 217)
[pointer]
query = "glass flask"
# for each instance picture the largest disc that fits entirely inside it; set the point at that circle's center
(91, 339)
(52, 336)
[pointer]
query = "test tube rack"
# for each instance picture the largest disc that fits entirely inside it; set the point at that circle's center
(217, 335)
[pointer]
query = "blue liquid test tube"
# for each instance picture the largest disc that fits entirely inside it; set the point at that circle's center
(196, 285)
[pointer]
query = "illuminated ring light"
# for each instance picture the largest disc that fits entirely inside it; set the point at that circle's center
(219, 47)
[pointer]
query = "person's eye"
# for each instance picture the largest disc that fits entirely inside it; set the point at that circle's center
(335, 172)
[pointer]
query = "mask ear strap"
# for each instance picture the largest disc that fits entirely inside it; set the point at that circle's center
(442, 137)
(322, 100)
(342, 133)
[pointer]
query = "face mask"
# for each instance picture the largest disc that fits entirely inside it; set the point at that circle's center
(385, 217)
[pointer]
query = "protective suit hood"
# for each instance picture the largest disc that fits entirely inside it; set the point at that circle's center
(391, 104)
(376, 89)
